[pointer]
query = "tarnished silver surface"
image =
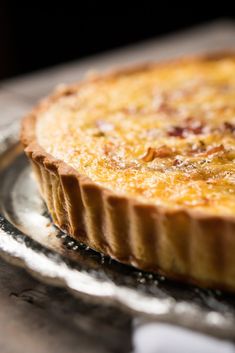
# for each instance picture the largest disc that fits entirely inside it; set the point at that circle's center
(29, 239)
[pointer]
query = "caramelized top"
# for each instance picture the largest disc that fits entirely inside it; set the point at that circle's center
(163, 134)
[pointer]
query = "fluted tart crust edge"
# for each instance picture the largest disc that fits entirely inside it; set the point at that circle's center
(181, 244)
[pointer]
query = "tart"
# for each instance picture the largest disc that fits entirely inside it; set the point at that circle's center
(139, 164)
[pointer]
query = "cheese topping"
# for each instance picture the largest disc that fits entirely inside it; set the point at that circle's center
(164, 135)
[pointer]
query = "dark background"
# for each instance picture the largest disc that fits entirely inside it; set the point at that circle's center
(38, 35)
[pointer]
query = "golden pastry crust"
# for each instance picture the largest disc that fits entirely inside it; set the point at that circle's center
(120, 207)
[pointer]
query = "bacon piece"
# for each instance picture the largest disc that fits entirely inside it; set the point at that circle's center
(190, 126)
(149, 155)
(161, 152)
(196, 130)
(176, 131)
(229, 127)
(214, 150)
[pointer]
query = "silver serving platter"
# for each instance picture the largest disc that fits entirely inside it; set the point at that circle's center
(29, 239)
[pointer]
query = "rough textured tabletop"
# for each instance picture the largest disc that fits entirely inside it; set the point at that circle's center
(38, 318)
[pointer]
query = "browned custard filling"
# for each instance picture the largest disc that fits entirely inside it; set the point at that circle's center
(164, 135)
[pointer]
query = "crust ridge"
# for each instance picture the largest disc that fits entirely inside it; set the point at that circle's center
(184, 245)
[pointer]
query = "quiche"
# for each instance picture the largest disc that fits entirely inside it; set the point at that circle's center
(139, 164)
